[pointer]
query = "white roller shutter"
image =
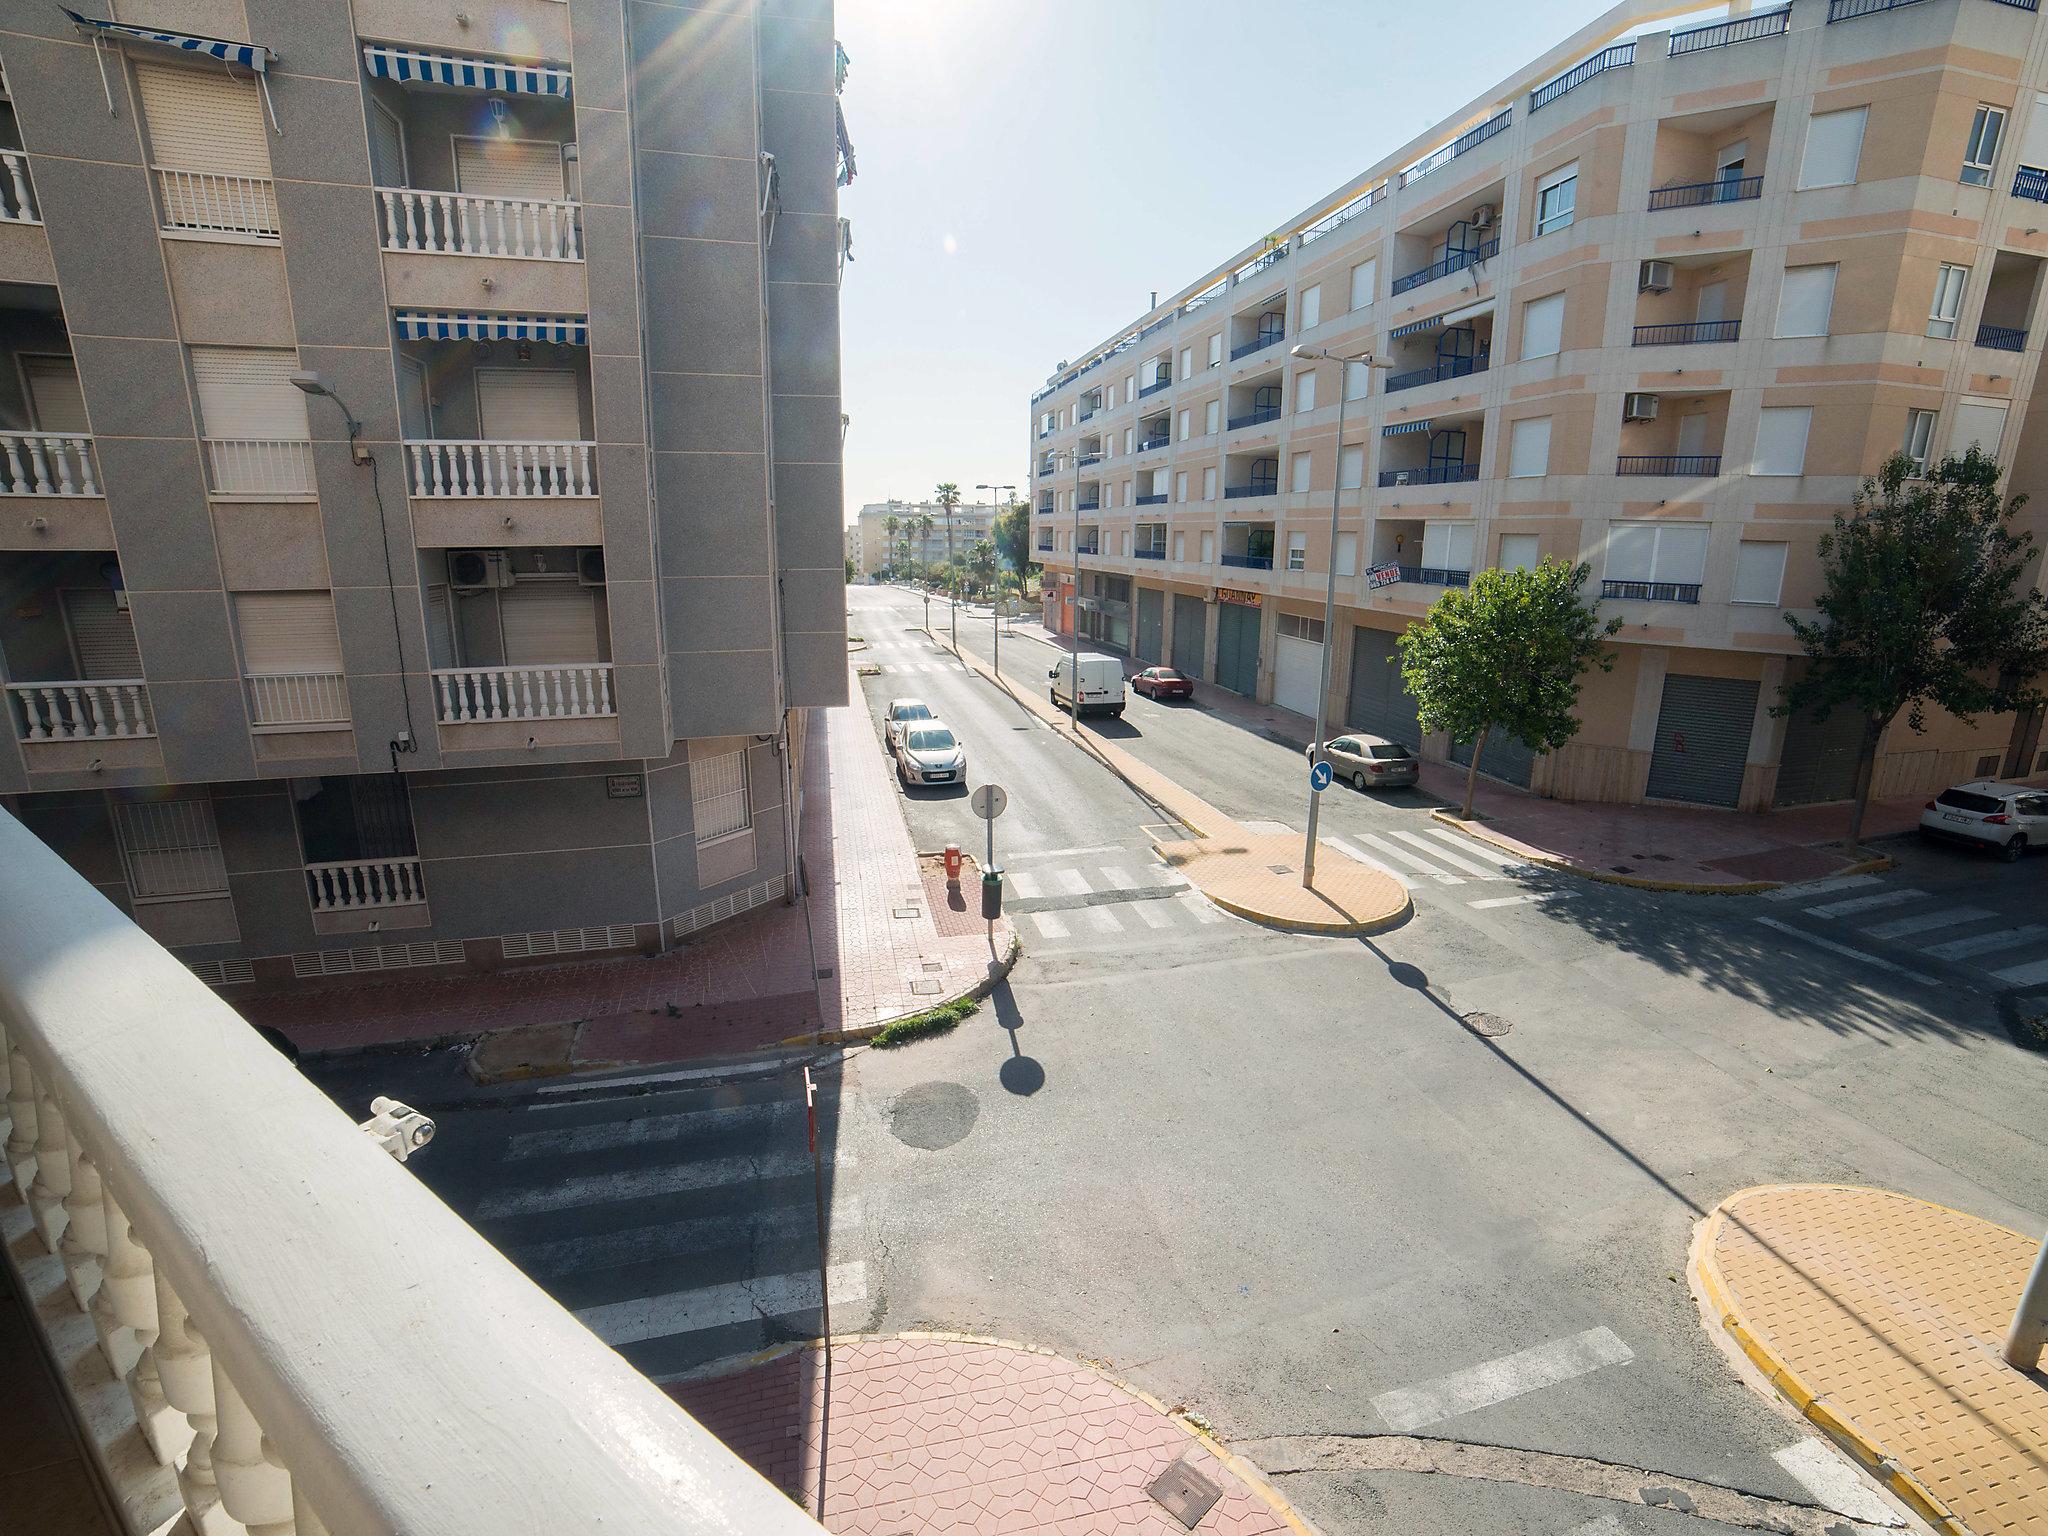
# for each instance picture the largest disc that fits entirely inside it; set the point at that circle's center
(1781, 440)
(287, 632)
(1834, 145)
(2034, 140)
(202, 120)
(528, 405)
(1543, 326)
(548, 621)
(509, 168)
(246, 394)
(440, 627)
(1976, 424)
(1529, 448)
(1806, 301)
(102, 634)
(55, 400)
(387, 147)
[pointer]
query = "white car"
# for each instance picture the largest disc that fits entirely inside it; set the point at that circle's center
(2008, 817)
(900, 712)
(927, 752)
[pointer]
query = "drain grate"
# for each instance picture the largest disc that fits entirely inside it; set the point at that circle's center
(1281, 869)
(903, 912)
(1491, 1025)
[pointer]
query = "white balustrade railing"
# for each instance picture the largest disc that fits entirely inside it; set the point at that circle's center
(451, 467)
(220, 204)
(468, 224)
(17, 192)
(291, 701)
(351, 884)
(252, 467)
(266, 1322)
(569, 690)
(47, 464)
(82, 710)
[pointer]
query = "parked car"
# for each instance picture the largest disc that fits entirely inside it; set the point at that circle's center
(1102, 684)
(1163, 683)
(1369, 762)
(2007, 817)
(899, 714)
(929, 753)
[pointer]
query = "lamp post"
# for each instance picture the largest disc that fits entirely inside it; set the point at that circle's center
(1074, 681)
(995, 616)
(1315, 800)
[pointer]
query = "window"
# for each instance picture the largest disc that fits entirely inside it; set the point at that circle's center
(1529, 448)
(1357, 379)
(1208, 549)
(1297, 550)
(1351, 467)
(253, 420)
(1759, 572)
(1216, 349)
(1128, 439)
(1215, 416)
(1311, 305)
(1662, 552)
(171, 849)
(1304, 391)
(1977, 424)
(1180, 548)
(291, 654)
(1557, 197)
(719, 804)
(1299, 470)
(1209, 483)
(1781, 440)
(1186, 424)
(1347, 554)
(1180, 485)
(1543, 326)
(210, 149)
(1834, 143)
(1919, 440)
(1806, 301)
(1364, 278)
(1948, 300)
(1518, 551)
(1130, 386)
(1187, 362)
(1985, 130)
(1447, 546)
(1127, 543)
(1299, 626)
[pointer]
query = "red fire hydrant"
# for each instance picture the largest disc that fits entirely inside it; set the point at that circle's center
(952, 864)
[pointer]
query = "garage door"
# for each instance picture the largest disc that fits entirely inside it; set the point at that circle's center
(1819, 760)
(1151, 625)
(1507, 758)
(1298, 665)
(1702, 739)
(1378, 702)
(1237, 648)
(1190, 633)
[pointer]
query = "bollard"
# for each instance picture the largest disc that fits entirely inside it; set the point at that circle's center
(992, 894)
(952, 864)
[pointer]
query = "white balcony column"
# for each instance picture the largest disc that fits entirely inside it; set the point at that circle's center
(52, 1181)
(129, 1292)
(254, 1485)
(38, 460)
(23, 207)
(184, 1364)
(83, 1248)
(21, 1122)
(11, 442)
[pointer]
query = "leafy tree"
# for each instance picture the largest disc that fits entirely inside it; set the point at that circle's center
(981, 560)
(851, 571)
(1505, 653)
(1922, 602)
(1013, 536)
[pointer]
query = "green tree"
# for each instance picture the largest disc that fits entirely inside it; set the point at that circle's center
(1922, 602)
(851, 571)
(1013, 536)
(923, 524)
(948, 498)
(892, 522)
(981, 561)
(1505, 653)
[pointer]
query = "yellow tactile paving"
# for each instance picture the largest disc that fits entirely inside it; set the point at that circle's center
(1889, 1314)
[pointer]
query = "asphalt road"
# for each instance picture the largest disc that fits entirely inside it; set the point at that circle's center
(1283, 1180)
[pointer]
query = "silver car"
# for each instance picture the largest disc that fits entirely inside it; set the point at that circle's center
(1369, 762)
(900, 712)
(927, 752)
(2009, 818)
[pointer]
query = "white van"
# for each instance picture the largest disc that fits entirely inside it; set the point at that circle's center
(1102, 684)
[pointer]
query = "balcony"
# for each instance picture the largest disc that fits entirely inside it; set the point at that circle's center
(97, 709)
(259, 470)
(1157, 552)
(1154, 387)
(452, 467)
(1703, 194)
(48, 464)
(214, 203)
(1146, 445)
(221, 1268)
(1089, 506)
(1848, 10)
(1443, 368)
(1430, 474)
(1256, 417)
(1088, 548)
(1720, 34)
(1464, 144)
(2002, 338)
(1678, 464)
(1686, 333)
(562, 691)
(1256, 344)
(17, 193)
(1652, 591)
(359, 885)
(1256, 488)
(2031, 183)
(1157, 499)
(1620, 56)
(469, 224)
(298, 701)
(1434, 576)
(1456, 261)
(1247, 562)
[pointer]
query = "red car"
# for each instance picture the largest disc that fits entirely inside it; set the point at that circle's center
(1163, 683)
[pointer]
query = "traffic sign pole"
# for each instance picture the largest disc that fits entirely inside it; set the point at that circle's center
(988, 802)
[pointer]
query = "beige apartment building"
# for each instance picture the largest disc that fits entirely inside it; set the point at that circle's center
(1656, 302)
(970, 522)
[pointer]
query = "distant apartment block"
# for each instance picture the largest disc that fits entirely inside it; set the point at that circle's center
(970, 522)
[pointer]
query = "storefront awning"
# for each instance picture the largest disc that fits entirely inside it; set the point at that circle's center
(442, 325)
(1402, 428)
(251, 56)
(409, 64)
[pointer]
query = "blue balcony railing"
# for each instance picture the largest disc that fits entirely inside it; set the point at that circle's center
(1443, 368)
(1668, 464)
(1701, 194)
(1256, 488)
(1257, 344)
(1457, 261)
(1088, 549)
(1470, 140)
(1620, 56)
(1150, 554)
(1689, 331)
(1153, 442)
(1091, 506)
(2002, 338)
(2031, 182)
(1430, 474)
(1846, 10)
(1151, 501)
(1435, 576)
(1154, 387)
(1084, 416)
(1045, 546)
(1090, 458)
(1249, 562)
(1652, 591)
(1263, 414)
(1720, 34)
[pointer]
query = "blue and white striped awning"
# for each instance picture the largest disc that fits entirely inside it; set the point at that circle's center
(405, 64)
(248, 55)
(451, 325)
(1402, 428)
(1415, 326)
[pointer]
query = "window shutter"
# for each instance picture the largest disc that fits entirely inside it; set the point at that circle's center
(1529, 448)
(718, 795)
(528, 405)
(1447, 546)
(1519, 551)
(1304, 392)
(1976, 424)
(1781, 440)
(2034, 142)
(1347, 554)
(1215, 415)
(1300, 470)
(387, 147)
(1311, 305)
(1351, 468)
(1631, 552)
(287, 632)
(201, 120)
(1759, 571)
(1209, 485)
(246, 393)
(1543, 327)
(102, 633)
(1363, 278)
(1681, 554)
(509, 168)
(548, 621)
(1834, 143)
(440, 627)
(55, 399)
(1806, 301)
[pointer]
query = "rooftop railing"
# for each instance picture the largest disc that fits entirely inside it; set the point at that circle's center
(1743, 29)
(1465, 143)
(1700, 194)
(1345, 214)
(1620, 56)
(1847, 10)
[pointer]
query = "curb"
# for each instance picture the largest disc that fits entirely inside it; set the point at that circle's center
(1357, 929)
(1191, 1424)
(998, 973)
(1810, 1404)
(1479, 830)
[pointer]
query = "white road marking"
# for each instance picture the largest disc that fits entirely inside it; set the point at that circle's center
(1921, 922)
(1116, 878)
(2023, 975)
(1196, 905)
(1466, 866)
(640, 1183)
(1477, 850)
(2004, 938)
(679, 1239)
(1101, 919)
(1050, 925)
(718, 1306)
(1396, 851)
(1023, 882)
(1368, 860)
(647, 1129)
(1834, 1483)
(682, 1075)
(1844, 949)
(1495, 1381)
(1864, 903)
(1505, 901)
(1071, 882)
(1149, 913)
(1807, 889)
(1064, 853)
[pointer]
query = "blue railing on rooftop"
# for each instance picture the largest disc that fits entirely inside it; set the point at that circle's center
(1149, 554)
(1257, 488)
(1689, 331)
(1457, 261)
(1262, 414)
(1154, 387)
(1158, 500)
(1846, 10)
(1345, 214)
(1153, 442)
(2002, 338)
(1430, 474)
(1743, 29)
(1700, 194)
(2031, 182)
(1257, 344)
(1436, 160)
(1435, 575)
(1249, 562)
(1620, 56)
(1443, 368)
(1252, 268)
(1668, 464)
(1652, 591)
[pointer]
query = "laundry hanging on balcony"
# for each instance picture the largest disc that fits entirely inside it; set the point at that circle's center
(444, 325)
(250, 56)
(406, 65)
(845, 146)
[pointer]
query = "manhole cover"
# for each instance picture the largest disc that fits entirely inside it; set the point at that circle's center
(903, 912)
(1185, 1493)
(933, 1116)
(1281, 869)
(1491, 1025)
(927, 988)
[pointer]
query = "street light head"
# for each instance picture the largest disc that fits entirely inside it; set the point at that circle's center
(1300, 350)
(311, 382)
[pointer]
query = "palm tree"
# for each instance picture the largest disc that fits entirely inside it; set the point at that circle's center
(981, 560)
(924, 531)
(892, 522)
(948, 498)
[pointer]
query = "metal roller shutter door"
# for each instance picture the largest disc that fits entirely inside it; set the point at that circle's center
(1151, 625)
(1379, 703)
(1703, 726)
(528, 405)
(1507, 758)
(548, 621)
(1297, 674)
(1819, 759)
(1190, 633)
(1237, 648)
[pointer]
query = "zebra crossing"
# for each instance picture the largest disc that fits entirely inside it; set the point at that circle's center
(1993, 951)
(675, 1215)
(1435, 856)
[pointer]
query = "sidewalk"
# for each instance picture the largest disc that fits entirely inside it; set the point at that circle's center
(939, 1433)
(1881, 1318)
(890, 939)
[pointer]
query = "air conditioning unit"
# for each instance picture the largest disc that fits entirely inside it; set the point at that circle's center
(1482, 216)
(1655, 277)
(1635, 407)
(476, 570)
(590, 567)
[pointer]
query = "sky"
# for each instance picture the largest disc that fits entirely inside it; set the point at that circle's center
(1030, 170)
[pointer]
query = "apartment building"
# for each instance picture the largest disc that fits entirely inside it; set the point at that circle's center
(1656, 302)
(419, 456)
(970, 522)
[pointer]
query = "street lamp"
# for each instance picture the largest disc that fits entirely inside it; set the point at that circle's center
(995, 617)
(1344, 360)
(1074, 682)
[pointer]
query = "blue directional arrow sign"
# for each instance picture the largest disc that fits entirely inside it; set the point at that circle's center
(1319, 777)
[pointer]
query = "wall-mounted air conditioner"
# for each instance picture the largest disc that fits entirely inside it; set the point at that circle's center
(1482, 216)
(477, 570)
(1655, 277)
(1638, 407)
